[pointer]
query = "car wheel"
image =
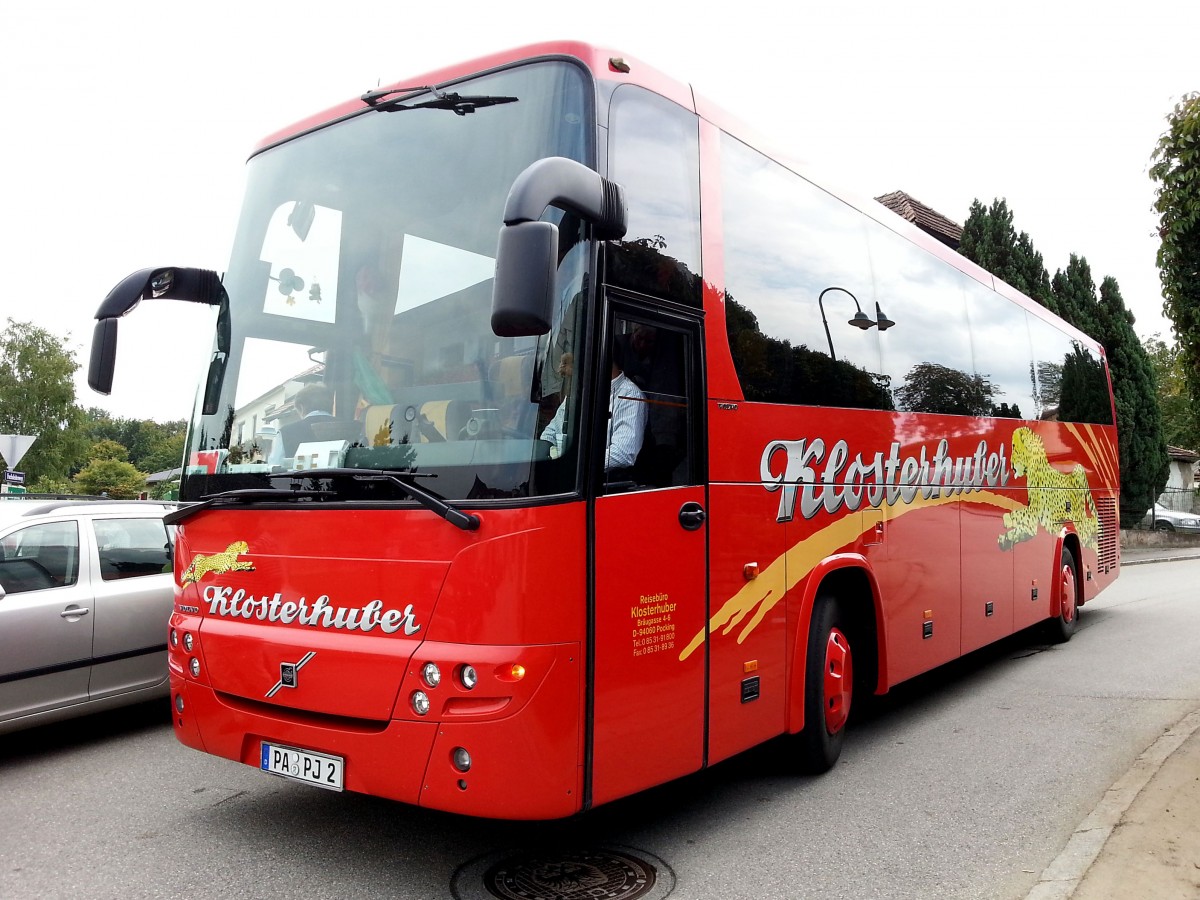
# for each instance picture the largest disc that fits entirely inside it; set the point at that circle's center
(828, 688)
(1063, 625)
(1163, 525)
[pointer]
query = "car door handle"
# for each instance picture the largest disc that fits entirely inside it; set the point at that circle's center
(691, 516)
(74, 613)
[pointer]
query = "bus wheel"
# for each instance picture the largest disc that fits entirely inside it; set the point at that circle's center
(828, 688)
(1064, 624)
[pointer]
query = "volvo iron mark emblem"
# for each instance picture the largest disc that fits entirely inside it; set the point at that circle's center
(288, 671)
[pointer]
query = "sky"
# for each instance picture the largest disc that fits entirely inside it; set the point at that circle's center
(127, 125)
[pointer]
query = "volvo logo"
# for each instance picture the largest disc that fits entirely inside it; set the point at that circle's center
(288, 672)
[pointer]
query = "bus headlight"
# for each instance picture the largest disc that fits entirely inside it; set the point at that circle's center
(194, 665)
(468, 677)
(420, 703)
(187, 641)
(432, 674)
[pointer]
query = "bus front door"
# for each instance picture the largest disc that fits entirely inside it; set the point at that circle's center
(650, 583)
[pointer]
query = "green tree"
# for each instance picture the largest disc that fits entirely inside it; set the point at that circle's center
(107, 449)
(114, 477)
(990, 240)
(1175, 167)
(37, 397)
(1180, 428)
(929, 387)
(1075, 296)
(1145, 465)
(152, 446)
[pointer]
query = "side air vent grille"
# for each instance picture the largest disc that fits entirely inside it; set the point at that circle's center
(1106, 511)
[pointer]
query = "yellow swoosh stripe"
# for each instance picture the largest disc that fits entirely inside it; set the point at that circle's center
(764, 592)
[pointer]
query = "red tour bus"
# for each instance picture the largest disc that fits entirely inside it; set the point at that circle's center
(560, 441)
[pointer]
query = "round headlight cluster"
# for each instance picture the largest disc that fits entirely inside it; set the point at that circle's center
(194, 665)
(420, 703)
(468, 677)
(431, 674)
(187, 641)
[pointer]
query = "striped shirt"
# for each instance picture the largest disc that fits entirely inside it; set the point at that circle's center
(626, 424)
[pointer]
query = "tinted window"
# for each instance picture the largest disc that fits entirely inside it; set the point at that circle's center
(1071, 384)
(656, 356)
(1003, 358)
(655, 156)
(797, 271)
(39, 557)
(130, 548)
(927, 353)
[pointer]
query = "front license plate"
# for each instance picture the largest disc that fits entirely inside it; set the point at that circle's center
(319, 769)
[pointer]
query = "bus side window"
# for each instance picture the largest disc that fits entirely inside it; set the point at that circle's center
(654, 358)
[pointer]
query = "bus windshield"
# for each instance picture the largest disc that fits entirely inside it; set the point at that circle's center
(360, 299)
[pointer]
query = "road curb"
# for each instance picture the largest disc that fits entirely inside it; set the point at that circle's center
(1059, 880)
(1125, 561)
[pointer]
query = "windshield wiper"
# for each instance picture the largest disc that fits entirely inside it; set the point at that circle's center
(403, 480)
(457, 103)
(246, 495)
(431, 501)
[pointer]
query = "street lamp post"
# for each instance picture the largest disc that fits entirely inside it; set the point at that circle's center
(859, 320)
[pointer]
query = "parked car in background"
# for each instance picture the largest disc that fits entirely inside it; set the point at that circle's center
(1162, 519)
(86, 592)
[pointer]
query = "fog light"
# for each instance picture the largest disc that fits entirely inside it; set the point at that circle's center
(187, 641)
(461, 759)
(179, 703)
(174, 638)
(420, 703)
(432, 674)
(468, 676)
(194, 665)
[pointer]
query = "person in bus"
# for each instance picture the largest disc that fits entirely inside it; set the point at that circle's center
(314, 402)
(626, 421)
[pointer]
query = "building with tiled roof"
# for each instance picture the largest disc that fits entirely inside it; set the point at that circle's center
(928, 220)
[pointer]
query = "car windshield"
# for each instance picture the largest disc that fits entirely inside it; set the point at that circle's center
(360, 301)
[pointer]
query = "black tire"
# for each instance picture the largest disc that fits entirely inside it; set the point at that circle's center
(1162, 525)
(1062, 626)
(819, 744)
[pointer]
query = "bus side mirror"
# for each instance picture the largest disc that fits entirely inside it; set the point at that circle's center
(104, 356)
(523, 292)
(169, 283)
(527, 252)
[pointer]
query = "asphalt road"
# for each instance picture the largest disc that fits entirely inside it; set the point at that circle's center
(961, 784)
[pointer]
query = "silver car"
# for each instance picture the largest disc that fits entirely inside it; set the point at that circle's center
(86, 592)
(1162, 519)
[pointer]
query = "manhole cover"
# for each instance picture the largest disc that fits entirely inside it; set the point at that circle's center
(590, 874)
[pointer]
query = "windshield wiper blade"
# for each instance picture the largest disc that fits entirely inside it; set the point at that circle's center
(427, 499)
(244, 496)
(459, 104)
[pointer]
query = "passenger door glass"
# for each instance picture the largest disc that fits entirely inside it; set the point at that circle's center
(131, 548)
(40, 557)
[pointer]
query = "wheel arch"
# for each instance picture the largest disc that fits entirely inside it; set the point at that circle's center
(848, 576)
(1068, 540)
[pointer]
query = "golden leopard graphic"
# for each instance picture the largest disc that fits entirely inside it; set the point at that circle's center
(218, 563)
(1054, 497)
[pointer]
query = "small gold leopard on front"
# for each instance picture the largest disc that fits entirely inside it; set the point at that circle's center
(1054, 497)
(218, 563)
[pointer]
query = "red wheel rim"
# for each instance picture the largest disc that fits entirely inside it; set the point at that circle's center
(1068, 593)
(839, 681)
